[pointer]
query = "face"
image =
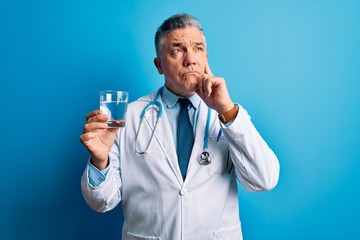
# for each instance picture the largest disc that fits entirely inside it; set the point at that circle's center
(182, 60)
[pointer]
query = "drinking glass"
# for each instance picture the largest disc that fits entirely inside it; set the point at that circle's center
(114, 103)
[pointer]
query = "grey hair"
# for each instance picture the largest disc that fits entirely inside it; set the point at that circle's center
(174, 22)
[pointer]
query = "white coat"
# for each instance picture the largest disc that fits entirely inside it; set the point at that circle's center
(157, 203)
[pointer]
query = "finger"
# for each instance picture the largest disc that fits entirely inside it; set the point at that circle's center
(87, 136)
(200, 85)
(93, 126)
(200, 89)
(203, 83)
(208, 87)
(98, 118)
(207, 69)
(92, 114)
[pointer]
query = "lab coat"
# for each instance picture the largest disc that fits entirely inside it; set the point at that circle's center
(157, 203)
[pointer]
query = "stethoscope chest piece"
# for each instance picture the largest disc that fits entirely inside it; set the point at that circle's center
(206, 158)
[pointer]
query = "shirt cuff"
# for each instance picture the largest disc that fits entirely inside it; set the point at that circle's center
(96, 177)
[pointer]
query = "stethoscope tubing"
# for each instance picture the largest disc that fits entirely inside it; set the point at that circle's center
(206, 156)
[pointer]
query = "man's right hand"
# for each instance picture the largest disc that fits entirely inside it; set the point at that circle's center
(98, 138)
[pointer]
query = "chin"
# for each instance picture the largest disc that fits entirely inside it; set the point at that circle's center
(190, 91)
(192, 85)
(192, 81)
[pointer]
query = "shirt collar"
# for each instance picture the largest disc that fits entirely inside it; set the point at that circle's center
(171, 98)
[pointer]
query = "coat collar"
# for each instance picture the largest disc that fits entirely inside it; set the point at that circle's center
(170, 99)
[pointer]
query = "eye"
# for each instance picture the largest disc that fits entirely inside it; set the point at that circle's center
(200, 49)
(176, 51)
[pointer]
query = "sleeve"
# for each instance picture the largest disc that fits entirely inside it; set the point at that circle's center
(103, 194)
(256, 165)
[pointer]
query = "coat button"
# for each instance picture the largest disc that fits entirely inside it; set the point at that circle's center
(183, 192)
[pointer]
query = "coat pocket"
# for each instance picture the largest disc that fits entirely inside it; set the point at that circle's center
(132, 236)
(229, 234)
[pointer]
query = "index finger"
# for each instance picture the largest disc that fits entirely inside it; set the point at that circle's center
(207, 69)
(93, 113)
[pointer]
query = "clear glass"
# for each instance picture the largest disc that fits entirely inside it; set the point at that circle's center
(114, 103)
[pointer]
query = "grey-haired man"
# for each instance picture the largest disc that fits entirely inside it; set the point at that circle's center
(162, 195)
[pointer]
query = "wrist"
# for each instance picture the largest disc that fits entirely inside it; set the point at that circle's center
(229, 115)
(99, 164)
(224, 105)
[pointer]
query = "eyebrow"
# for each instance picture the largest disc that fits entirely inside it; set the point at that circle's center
(179, 44)
(199, 44)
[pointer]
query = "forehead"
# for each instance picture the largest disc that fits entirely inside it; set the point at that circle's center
(190, 35)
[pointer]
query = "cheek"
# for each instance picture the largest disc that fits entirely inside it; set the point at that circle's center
(171, 68)
(204, 60)
(169, 71)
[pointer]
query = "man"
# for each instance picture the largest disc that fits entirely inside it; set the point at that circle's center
(167, 192)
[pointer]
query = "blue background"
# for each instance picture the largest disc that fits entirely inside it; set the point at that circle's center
(294, 65)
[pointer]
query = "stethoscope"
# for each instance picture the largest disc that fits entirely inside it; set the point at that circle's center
(206, 157)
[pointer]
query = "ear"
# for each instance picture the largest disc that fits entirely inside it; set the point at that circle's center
(157, 63)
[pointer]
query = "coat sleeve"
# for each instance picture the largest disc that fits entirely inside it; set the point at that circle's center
(107, 195)
(256, 165)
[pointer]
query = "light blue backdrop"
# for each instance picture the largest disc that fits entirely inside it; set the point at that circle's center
(294, 65)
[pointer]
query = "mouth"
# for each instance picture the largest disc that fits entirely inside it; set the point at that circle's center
(192, 73)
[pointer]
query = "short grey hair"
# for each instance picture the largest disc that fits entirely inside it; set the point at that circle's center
(174, 22)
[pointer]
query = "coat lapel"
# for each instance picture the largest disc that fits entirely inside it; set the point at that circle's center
(164, 138)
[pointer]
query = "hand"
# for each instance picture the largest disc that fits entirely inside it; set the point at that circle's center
(214, 92)
(98, 138)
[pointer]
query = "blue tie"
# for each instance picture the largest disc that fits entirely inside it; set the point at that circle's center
(185, 136)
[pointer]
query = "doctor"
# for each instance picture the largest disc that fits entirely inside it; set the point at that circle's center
(162, 195)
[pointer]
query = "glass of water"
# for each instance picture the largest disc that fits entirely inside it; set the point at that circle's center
(114, 103)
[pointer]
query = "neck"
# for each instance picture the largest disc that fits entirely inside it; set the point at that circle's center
(180, 94)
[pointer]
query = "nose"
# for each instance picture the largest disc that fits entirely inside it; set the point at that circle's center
(190, 58)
